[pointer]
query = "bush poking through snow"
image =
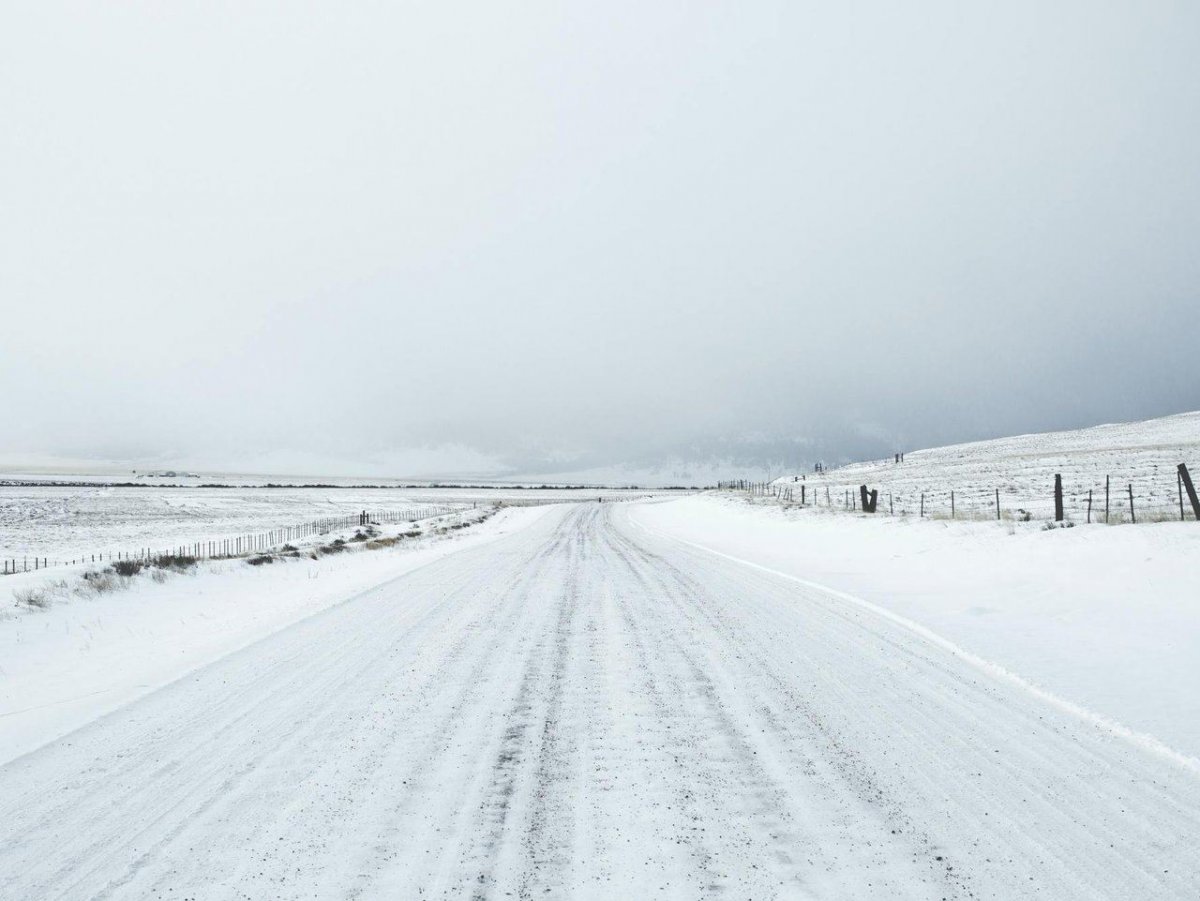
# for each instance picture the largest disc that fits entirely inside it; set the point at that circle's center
(288, 551)
(379, 544)
(334, 547)
(101, 582)
(31, 597)
(178, 562)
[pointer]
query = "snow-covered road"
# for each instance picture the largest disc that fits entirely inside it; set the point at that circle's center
(586, 709)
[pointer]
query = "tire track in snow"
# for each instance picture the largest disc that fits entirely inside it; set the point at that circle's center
(853, 788)
(548, 840)
(413, 737)
(272, 701)
(950, 725)
(529, 768)
(766, 814)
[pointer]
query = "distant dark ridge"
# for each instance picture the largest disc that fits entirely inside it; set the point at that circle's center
(49, 483)
(31, 483)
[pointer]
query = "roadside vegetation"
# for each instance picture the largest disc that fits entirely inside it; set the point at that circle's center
(122, 574)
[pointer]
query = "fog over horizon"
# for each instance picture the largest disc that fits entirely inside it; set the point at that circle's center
(471, 240)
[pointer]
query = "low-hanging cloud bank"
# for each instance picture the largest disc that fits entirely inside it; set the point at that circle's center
(481, 240)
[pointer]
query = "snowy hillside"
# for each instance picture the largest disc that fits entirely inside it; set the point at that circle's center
(1141, 455)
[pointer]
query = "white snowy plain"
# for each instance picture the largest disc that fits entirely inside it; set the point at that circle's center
(68, 521)
(590, 706)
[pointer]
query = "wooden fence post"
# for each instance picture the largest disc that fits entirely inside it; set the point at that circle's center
(1132, 515)
(997, 504)
(1106, 481)
(1186, 478)
(1089, 506)
(952, 505)
(1058, 504)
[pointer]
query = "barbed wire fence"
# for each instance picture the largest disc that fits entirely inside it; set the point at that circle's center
(1114, 500)
(243, 545)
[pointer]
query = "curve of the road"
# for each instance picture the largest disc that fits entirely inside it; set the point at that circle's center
(583, 709)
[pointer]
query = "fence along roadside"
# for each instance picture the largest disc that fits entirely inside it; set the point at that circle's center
(1115, 501)
(239, 545)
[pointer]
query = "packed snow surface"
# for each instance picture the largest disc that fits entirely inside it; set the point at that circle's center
(1107, 618)
(591, 708)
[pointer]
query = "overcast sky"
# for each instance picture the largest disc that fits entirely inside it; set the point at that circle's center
(469, 237)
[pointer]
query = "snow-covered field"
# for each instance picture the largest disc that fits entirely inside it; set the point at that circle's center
(65, 522)
(62, 523)
(1142, 454)
(717, 695)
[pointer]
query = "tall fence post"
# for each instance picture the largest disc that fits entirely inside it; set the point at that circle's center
(1106, 481)
(1132, 515)
(1058, 503)
(1186, 478)
(997, 504)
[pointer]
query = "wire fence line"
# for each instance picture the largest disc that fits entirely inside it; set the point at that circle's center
(1165, 495)
(237, 545)
(260, 542)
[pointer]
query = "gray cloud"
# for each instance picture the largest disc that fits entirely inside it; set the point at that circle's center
(465, 237)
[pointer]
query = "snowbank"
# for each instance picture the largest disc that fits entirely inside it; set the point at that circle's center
(1107, 618)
